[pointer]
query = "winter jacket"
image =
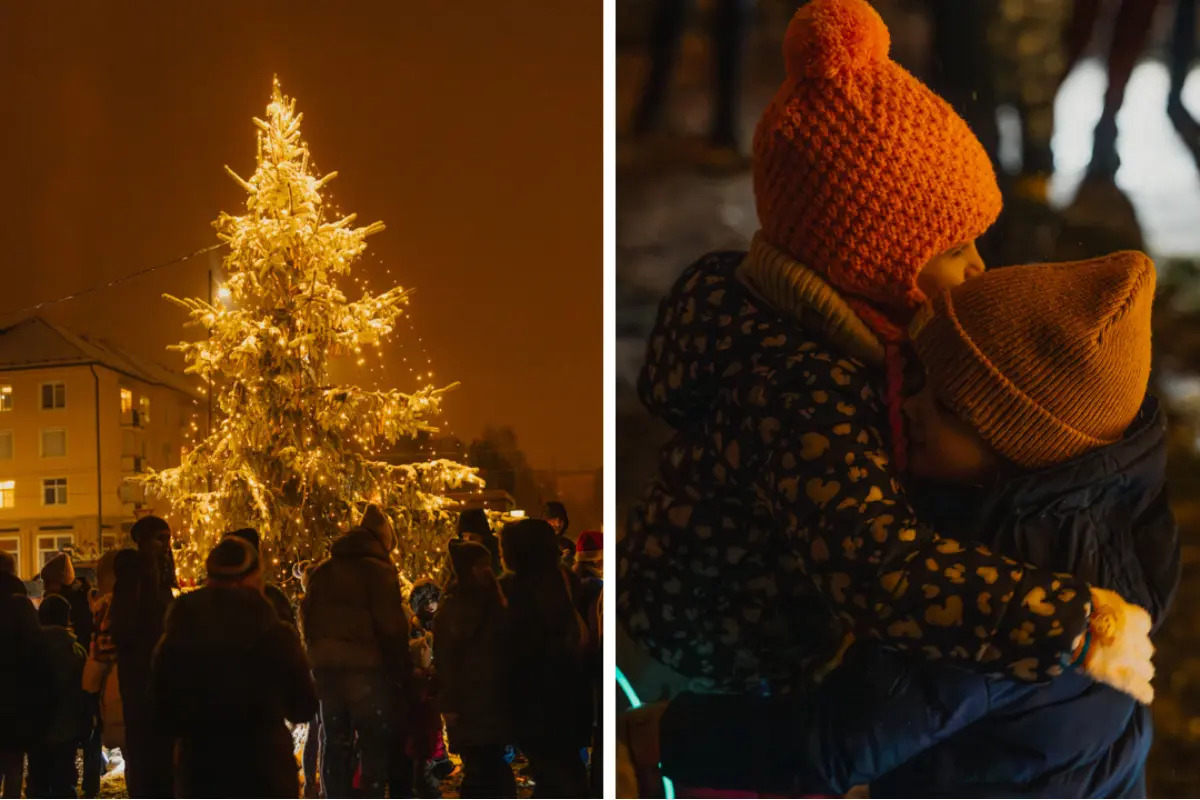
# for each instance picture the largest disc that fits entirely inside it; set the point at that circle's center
(354, 613)
(78, 594)
(226, 676)
(915, 729)
(136, 624)
(551, 695)
(775, 508)
(69, 711)
(473, 651)
(100, 675)
(280, 602)
(25, 662)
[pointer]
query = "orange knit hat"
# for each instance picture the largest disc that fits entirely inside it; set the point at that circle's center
(1045, 361)
(861, 173)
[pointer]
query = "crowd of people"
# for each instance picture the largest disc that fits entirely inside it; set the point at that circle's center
(200, 691)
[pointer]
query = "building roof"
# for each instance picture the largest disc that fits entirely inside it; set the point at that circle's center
(36, 342)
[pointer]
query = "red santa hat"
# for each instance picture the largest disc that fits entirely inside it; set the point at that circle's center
(590, 546)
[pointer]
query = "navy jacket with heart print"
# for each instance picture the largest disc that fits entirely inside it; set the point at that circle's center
(910, 728)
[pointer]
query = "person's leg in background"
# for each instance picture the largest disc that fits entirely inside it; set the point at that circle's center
(557, 771)
(64, 772)
(93, 750)
(1130, 32)
(337, 736)
(1039, 63)
(666, 34)
(1182, 54)
(311, 757)
(729, 29)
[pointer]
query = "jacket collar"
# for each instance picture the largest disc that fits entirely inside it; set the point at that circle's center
(792, 288)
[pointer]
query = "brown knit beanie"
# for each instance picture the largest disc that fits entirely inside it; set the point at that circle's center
(231, 560)
(1045, 361)
(59, 570)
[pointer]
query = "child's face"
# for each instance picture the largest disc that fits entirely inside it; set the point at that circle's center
(943, 447)
(949, 269)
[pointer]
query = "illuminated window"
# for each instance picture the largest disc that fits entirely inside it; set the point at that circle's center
(6, 445)
(8, 494)
(54, 442)
(54, 396)
(144, 408)
(5, 398)
(108, 542)
(126, 401)
(54, 491)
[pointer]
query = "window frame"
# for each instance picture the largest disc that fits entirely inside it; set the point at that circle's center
(126, 394)
(53, 396)
(11, 541)
(9, 486)
(12, 445)
(63, 488)
(42, 442)
(55, 537)
(6, 398)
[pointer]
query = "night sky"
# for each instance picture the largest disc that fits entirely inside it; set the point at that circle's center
(473, 130)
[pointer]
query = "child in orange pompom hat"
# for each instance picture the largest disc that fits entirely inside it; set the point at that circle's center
(775, 524)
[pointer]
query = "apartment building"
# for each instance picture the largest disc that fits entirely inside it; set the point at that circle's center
(78, 418)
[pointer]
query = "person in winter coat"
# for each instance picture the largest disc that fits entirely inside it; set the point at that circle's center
(25, 662)
(473, 526)
(556, 514)
(551, 699)
(139, 605)
(279, 601)
(52, 770)
(1037, 438)
(472, 646)
(423, 600)
(311, 756)
(356, 629)
(589, 567)
(227, 675)
(776, 524)
(58, 577)
(100, 672)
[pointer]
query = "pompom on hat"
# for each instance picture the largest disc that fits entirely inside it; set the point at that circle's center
(861, 173)
(231, 560)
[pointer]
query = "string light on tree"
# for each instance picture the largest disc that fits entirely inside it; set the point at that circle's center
(291, 454)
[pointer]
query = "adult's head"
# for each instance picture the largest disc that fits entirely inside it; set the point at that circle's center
(8, 563)
(1031, 366)
(473, 525)
(471, 564)
(556, 514)
(58, 572)
(106, 576)
(55, 610)
(377, 523)
(233, 562)
(152, 533)
(863, 174)
(12, 586)
(529, 546)
(249, 535)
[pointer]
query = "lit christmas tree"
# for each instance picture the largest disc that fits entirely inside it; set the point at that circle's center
(288, 453)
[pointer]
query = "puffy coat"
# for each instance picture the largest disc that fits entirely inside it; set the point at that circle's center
(473, 651)
(226, 676)
(24, 662)
(100, 675)
(353, 613)
(66, 659)
(775, 507)
(914, 729)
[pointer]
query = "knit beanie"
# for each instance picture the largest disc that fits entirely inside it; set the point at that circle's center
(590, 546)
(231, 560)
(59, 570)
(377, 523)
(55, 610)
(249, 535)
(1045, 361)
(474, 520)
(861, 173)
